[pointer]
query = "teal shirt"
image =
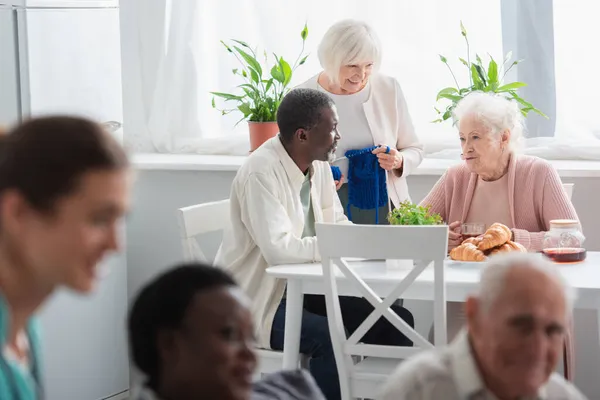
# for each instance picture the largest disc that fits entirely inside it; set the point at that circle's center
(17, 383)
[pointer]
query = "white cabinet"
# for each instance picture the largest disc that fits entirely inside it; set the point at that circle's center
(56, 59)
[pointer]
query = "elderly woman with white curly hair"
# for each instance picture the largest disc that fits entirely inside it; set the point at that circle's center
(496, 184)
(371, 108)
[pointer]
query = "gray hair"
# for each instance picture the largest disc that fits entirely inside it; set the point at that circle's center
(496, 112)
(493, 277)
(348, 42)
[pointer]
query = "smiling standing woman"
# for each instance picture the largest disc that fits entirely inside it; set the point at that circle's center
(64, 185)
(371, 107)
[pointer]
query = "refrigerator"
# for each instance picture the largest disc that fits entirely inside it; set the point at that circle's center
(65, 57)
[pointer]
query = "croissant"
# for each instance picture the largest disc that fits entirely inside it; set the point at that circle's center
(467, 252)
(508, 247)
(473, 240)
(496, 235)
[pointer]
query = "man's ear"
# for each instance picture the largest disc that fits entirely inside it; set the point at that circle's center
(472, 310)
(302, 135)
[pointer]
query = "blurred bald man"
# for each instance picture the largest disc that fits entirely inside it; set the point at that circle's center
(516, 325)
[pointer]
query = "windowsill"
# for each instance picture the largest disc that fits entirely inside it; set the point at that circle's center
(429, 166)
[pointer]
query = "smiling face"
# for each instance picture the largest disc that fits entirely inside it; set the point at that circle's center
(519, 338)
(322, 139)
(353, 78)
(483, 150)
(64, 246)
(212, 354)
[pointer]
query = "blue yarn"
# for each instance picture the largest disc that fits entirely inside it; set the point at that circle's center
(337, 173)
(367, 188)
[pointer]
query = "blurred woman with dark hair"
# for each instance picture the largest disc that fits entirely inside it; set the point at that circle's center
(64, 185)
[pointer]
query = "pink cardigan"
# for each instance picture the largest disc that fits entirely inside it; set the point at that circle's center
(535, 196)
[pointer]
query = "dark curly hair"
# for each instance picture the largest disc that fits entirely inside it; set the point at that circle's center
(162, 304)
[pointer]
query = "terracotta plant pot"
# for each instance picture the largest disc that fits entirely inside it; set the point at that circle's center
(260, 132)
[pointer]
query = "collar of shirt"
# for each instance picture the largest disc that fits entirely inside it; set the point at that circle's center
(295, 175)
(465, 372)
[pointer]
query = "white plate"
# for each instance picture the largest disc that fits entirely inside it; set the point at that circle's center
(464, 264)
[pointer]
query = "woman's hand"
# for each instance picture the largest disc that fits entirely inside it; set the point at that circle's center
(389, 161)
(454, 235)
(338, 184)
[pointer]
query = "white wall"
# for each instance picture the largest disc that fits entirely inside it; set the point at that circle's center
(153, 243)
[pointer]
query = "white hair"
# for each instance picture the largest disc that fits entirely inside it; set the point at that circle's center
(493, 277)
(348, 42)
(496, 112)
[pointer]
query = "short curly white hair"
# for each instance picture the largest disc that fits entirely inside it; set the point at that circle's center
(496, 112)
(493, 277)
(348, 42)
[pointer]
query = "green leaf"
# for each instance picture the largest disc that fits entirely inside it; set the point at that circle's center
(444, 59)
(213, 103)
(304, 33)
(254, 75)
(477, 83)
(269, 84)
(226, 46)
(447, 115)
(481, 73)
(448, 90)
(492, 72)
(510, 86)
(462, 60)
(435, 121)
(463, 31)
(245, 109)
(244, 74)
(255, 65)
(277, 74)
(235, 71)
(242, 43)
(478, 60)
(227, 96)
(452, 97)
(287, 71)
(303, 60)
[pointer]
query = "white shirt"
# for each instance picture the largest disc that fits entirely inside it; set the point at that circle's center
(353, 126)
(390, 124)
(267, 221)
(452, 374)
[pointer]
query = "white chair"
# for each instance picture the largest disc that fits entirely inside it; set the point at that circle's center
(568, 187)
(211, 218)
(424, 244)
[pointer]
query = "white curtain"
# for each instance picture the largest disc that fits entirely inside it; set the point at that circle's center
(180, 60)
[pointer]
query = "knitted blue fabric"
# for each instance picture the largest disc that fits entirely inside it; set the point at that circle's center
(337, 173)
(367, 188)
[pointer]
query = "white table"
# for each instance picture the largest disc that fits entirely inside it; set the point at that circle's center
(460, 282)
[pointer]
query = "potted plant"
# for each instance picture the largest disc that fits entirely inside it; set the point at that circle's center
(407, 214)
(484, 80)
(259, 97)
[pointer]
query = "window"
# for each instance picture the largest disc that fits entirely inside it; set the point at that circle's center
(177, 60)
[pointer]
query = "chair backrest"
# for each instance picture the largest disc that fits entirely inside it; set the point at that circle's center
(423, 244)
(199, 219)
(569, 189)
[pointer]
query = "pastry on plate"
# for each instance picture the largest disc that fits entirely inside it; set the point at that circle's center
(467, 252)
(496, 235)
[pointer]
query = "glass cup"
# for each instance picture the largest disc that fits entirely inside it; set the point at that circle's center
(472, 229)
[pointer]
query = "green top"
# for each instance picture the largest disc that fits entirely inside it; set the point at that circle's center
(309, 216)
(16, 381)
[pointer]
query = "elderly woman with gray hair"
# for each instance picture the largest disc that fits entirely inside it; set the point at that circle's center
(371, 108)
(496, 184)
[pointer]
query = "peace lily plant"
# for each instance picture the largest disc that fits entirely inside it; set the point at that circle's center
(490, 79)
(258, 97)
